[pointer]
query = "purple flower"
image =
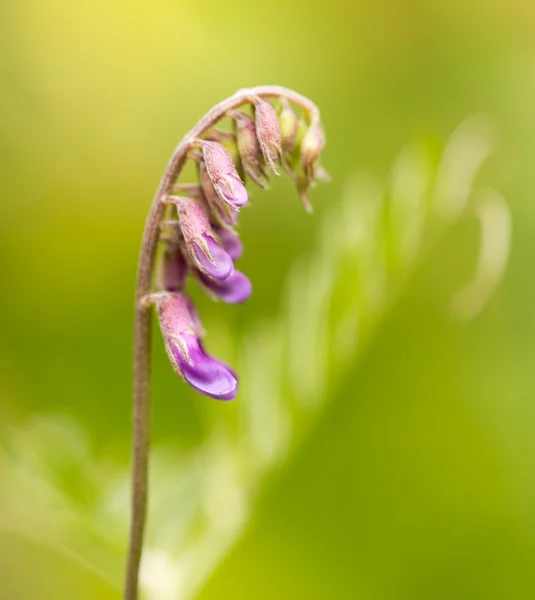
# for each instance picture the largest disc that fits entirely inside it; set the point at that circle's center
(207, 255)
(230, 241)
(221, 212)
(235, 289)
(181, 331)
(173, 268)
(223, 175)
(211, 258)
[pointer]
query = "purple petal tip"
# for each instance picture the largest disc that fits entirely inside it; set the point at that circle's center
(233, 191)
(220, 266)
(205, 374)
(235, 289)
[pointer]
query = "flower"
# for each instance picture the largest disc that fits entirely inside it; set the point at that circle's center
(173, 268)
(220, 212)
(207, 255)
(181, 331)
(205, 243)
(230, 241)
(223, 175)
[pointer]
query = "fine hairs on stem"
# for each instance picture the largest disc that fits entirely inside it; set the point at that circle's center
(200, 239)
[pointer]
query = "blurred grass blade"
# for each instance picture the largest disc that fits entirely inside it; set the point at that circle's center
(494, 218)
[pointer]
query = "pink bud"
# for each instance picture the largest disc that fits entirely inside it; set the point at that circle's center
(220, 212)
(223, 175)
(268, 132)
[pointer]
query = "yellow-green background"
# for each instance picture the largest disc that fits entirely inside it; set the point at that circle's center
(418, 480)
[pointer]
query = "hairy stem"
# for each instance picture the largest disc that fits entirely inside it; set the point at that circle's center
(143, 312)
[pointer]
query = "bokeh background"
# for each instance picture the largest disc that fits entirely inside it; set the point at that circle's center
(410, 474)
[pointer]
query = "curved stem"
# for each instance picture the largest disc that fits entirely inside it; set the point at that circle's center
(142, 327)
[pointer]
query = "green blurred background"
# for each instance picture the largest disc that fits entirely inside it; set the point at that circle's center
(417, 479)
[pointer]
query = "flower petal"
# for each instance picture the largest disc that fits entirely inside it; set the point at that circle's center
(231, 189)
(230, 241)
(218, 264)
(234, 290)
(205, 374)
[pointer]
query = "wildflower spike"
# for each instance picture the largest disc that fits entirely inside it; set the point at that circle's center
(204, 243)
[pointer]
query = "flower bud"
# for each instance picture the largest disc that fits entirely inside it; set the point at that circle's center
(235, 289)
(303, 186)
(207, 255)
(230, 241)
(173, 269)
(220, 212)
(311, 148)
(181, 333)
(289, 124)
(248, 147)
(223, 175)
(268, 132)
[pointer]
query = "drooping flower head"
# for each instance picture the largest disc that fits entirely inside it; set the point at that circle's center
(205, 243)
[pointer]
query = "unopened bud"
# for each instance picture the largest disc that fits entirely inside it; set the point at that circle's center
(289, 125)
(223, 175)
(248, 147)
(268, 132)
(311, 148)
(220, 212)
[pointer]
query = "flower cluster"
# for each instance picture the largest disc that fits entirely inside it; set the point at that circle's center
(201, 238)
